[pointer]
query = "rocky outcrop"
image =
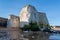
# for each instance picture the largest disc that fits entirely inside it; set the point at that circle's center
(30, 14)
(13, 21)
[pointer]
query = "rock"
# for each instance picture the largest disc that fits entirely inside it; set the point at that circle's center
(30, 14)
(13, 21)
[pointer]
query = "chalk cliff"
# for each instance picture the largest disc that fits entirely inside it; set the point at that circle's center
(30, 14)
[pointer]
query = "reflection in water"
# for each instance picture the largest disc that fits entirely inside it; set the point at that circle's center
(29, 35)
(54, 36)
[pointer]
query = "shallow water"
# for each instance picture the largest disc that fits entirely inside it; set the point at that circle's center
(54, 36)
(29, 36)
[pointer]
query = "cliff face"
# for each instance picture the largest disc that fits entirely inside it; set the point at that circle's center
(13, 21)
(30, 14)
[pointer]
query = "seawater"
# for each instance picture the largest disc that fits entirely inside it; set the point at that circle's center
(10, 35)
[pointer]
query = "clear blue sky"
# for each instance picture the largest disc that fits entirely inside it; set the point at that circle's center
(50, 7)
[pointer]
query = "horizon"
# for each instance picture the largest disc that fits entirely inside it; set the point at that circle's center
(50, 7)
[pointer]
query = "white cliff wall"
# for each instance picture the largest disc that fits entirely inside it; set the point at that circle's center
(27, 15)
(42, 18)
(13, 21)
(30, 14)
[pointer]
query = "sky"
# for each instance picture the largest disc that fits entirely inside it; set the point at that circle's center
(50, 7)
